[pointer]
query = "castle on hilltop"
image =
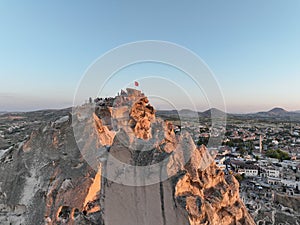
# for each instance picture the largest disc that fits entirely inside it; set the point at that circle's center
(123, 98)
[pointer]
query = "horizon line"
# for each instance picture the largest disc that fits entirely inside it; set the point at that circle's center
(160, 109)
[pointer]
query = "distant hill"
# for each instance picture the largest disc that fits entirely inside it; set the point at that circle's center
(278, 111)
(188, 113)
(274, 112)
(213, 112)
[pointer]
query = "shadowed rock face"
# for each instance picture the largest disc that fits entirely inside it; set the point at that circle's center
(47, 180)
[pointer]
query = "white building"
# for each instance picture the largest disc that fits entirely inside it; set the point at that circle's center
(249, 171)
(273, 181)
(290, 183)
(289, 164)
(273, 173)
(270, 172)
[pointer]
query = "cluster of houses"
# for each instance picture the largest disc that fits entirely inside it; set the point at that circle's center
(269, 171)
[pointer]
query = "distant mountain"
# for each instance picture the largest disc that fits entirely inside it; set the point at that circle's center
(172, 114)
(168, 114)
(213, 112)
(278, 111)
(276, 114)
(188, 113)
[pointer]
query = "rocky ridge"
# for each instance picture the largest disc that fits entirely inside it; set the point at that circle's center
(60, 174)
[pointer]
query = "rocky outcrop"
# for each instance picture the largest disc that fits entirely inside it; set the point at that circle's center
(65, 172)
(105, 135)
(46, 180)
(142, 115)
(208, 195)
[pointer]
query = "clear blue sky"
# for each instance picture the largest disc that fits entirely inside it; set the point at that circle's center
(253, 46)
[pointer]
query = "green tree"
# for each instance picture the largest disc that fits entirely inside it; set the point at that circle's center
(278, 154)
(239, 177)
(202, 141)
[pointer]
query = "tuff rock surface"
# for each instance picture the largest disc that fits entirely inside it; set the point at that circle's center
(64, 173)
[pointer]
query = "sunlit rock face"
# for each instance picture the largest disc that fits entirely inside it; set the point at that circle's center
(208, 196)
(142, 114)
(48, 180)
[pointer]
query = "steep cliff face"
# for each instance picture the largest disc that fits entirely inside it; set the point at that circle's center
(208, 195)
(64, 173)
(45, 180)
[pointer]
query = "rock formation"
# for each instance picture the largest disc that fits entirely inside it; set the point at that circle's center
(64, 172)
